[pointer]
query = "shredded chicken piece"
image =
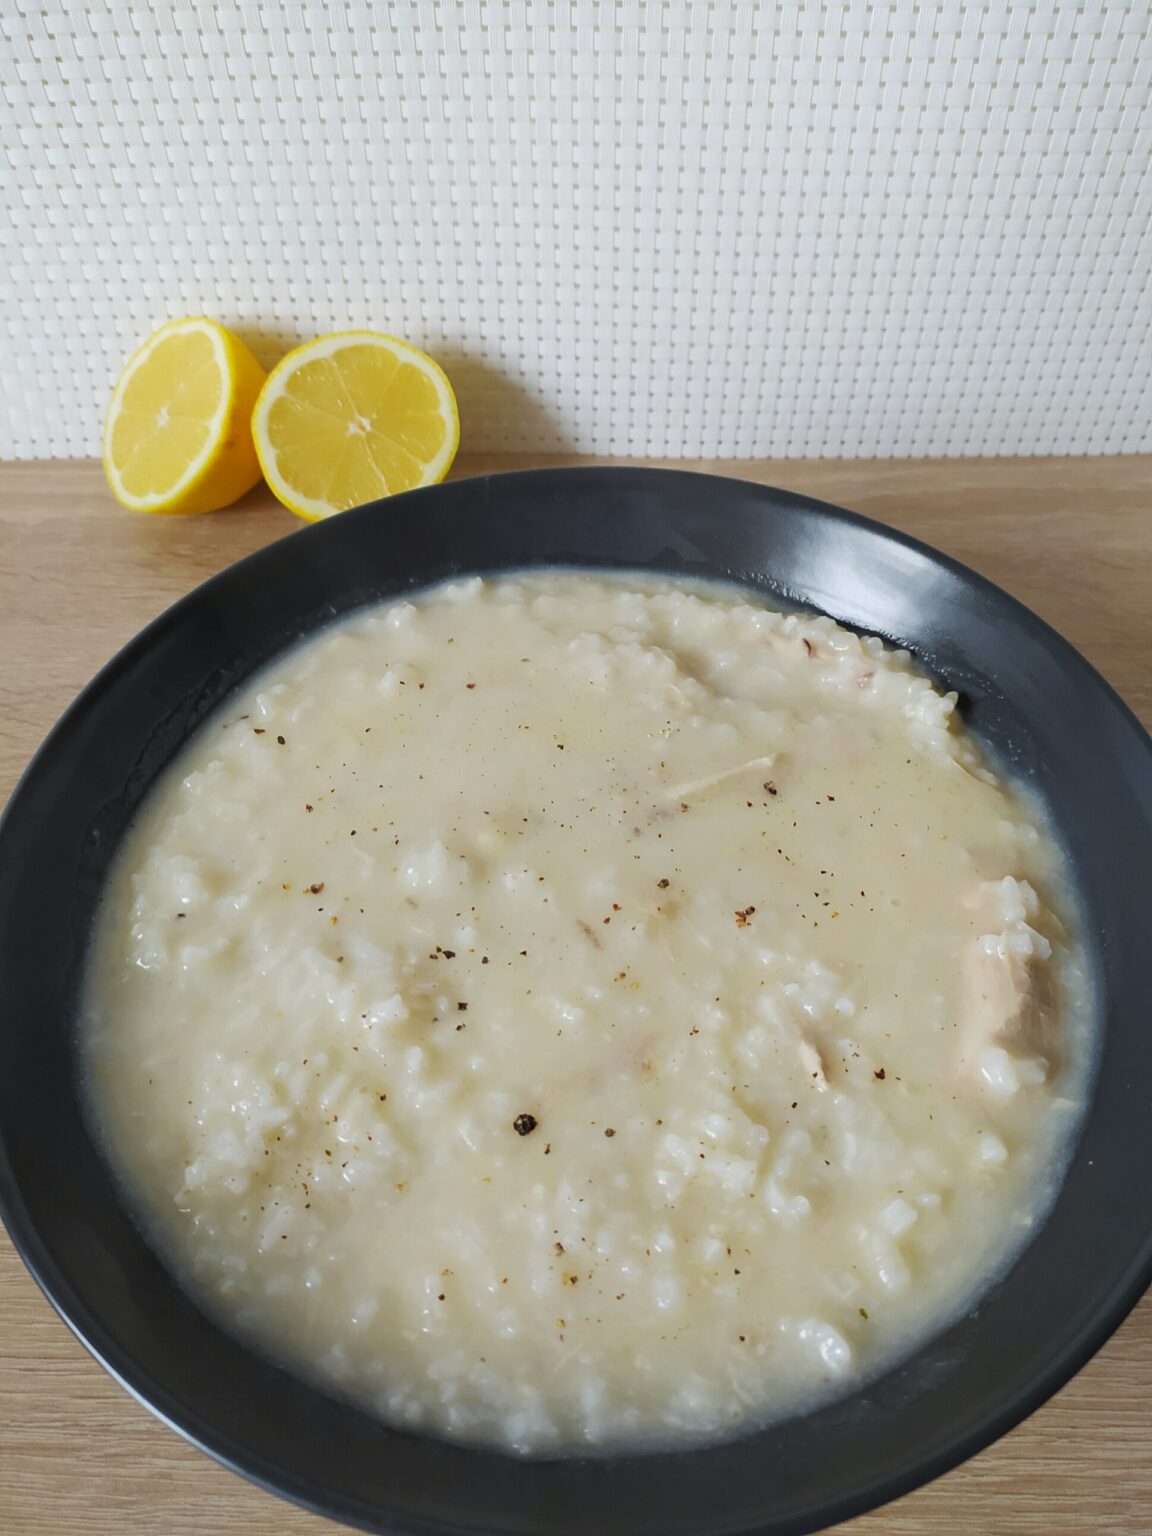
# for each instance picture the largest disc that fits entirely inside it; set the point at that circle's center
(813, 1064)
(1008, 999)
(710, 780)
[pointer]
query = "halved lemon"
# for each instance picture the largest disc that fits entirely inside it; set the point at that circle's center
(178, 436)
(352, 417)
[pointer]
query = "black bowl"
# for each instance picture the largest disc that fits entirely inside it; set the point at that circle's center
(1027, 693)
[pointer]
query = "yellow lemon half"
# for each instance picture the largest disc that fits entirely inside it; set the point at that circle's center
(352, 417)
(178, 434)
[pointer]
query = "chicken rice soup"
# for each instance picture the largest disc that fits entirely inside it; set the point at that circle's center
(564, 1012)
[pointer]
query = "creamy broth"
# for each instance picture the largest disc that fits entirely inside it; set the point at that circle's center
(565, 1012)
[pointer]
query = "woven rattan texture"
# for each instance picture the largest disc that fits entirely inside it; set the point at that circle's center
(730, 229)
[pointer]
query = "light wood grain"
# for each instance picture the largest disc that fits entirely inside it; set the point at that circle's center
(79, 576)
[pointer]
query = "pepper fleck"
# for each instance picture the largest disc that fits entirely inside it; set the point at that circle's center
(524, 1125)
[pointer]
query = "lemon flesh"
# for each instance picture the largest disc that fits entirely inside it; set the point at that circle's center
(177, 437)
(353, 417)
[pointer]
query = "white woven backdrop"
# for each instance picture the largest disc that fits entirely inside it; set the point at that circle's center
(864, 228)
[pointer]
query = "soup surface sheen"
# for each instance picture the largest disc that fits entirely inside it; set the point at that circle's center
(563, 1012)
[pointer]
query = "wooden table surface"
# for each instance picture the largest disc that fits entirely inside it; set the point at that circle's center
(79, 576)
